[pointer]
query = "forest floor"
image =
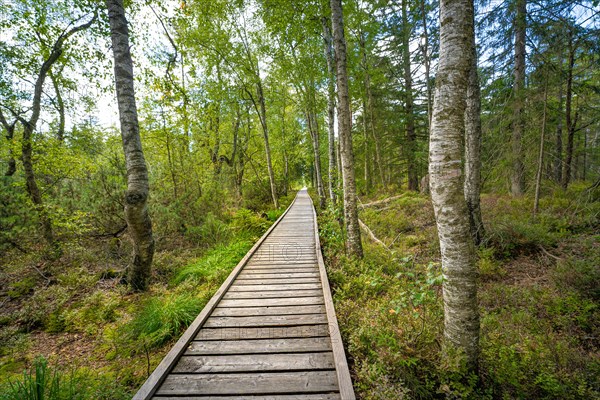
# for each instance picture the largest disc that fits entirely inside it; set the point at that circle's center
(539, 295)
(72, 321)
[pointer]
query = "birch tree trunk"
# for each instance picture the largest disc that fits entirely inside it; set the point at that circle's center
(313, 129)
(473, 150)
(136, 197)
(518, 169)
(328, 49)
(263, 121)
(461, 318)
(353, 243)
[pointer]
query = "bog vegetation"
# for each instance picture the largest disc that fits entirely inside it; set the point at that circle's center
(116, 229)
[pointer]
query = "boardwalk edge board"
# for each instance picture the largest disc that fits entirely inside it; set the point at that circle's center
(339, 355)
(157, 377)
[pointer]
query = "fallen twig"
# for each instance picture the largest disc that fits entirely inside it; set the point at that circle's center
(379, 202)
(371, 235)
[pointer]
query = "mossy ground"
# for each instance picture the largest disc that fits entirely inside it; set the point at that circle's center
(538, 293)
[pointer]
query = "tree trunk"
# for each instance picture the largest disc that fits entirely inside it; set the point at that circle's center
(328, 49)
(263, 122)
(427, 63)
(570, 121)
(559, 126)
(411, 138)
(538, 177)
(136, 198)
(518, 168)
(313, 129)
(461, 317)
(60, 107)
(353, 243)
(29, 128)
(473, 150)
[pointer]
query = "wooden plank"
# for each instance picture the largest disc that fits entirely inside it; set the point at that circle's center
(281, 265)
(249, 383)
(230, 311)
(258, 346)
(269, 294)
(313, 269)
(255, 288)
(318, 396)
(154, 380)
(265, 332)
(287, 301)
(266, 320)
(339, 355)
(249, 274)
(254, 362)
(278, 281)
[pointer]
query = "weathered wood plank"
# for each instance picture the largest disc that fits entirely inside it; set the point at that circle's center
(250, 383)
(250, 274)
(273, 294)
(273, 287)
(266, 320)
(230, 311)
(270, 281)
(287, 301)
(258, 346)
(318, 396)
(254, 362)
(266, 332)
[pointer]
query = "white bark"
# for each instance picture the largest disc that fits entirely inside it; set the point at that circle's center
(461, 318)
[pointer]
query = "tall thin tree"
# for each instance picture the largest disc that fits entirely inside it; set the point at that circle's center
(136, 198)
(353, 243)
(446, 150)
(517, 187)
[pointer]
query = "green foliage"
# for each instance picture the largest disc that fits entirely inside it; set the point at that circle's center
(163, 318)
(249, 223)
(215, 265)
(213, 231)
(45, 383)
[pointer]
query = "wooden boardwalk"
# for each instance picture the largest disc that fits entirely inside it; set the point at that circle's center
(270, 331)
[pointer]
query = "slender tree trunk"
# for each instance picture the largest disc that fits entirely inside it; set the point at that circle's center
(313, 129)
(570, 121)
(136, 198)
(353, 243)
(60, 107)
(473, 150)
(559, 126)
(426, 63)
(28, 129)
(538, 177)
(411, 137)
(263, 121)
(518, 168)
(461, 317)
(328, 49)
(286, 178)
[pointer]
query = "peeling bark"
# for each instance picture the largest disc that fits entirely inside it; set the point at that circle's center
(446, 150)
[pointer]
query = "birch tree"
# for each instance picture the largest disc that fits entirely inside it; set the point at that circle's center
(353, 243)
(136, 198)
(461, 318)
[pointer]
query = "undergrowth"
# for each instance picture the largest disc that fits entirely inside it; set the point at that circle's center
(70, 330)
(538, 296)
